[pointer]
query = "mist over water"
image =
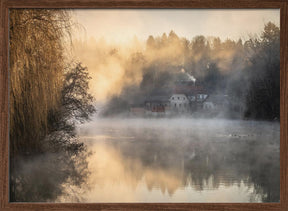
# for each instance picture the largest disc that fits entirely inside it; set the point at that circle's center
(179, 160)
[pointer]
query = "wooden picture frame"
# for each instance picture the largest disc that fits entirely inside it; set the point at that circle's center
(221, 4)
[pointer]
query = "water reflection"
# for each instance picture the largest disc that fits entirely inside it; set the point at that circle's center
(181, 161)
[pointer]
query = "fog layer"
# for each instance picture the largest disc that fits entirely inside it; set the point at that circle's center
(180, 160)
(246, 71)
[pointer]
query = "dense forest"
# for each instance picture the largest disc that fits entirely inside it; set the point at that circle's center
(48, 96)
(246, 71)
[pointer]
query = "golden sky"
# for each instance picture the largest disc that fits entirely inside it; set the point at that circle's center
(123, 24)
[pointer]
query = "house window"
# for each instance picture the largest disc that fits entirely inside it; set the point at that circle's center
(175, 104)
(172, 98)
(178, 98)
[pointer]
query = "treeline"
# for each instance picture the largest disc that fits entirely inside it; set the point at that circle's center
(248, 72)
(48, 96)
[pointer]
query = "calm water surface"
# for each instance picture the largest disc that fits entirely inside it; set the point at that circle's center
(179, 160)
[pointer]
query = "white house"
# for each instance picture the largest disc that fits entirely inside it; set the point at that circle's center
(179, 102)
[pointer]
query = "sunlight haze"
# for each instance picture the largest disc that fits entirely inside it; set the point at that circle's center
(121, 25)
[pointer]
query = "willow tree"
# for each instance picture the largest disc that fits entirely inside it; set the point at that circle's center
(37, 39)
(47, 95)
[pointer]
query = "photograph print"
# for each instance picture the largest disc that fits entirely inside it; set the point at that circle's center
(142, 105)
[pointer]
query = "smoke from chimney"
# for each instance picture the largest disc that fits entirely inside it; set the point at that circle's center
(191, 77)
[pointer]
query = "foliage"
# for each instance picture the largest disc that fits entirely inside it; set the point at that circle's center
(76, 107)
(248, 72)
(36, 69)
(263, 97)
(47, 99)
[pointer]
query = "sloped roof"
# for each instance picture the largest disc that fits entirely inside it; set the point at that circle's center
(188, 88)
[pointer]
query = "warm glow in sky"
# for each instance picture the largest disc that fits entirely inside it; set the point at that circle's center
(123, 24)
(116, 28)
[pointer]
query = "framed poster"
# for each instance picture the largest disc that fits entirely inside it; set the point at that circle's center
(144, 105)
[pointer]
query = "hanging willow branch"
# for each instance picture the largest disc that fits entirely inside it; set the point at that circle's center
(37, 43)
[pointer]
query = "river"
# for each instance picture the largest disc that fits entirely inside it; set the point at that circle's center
(179, 160)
